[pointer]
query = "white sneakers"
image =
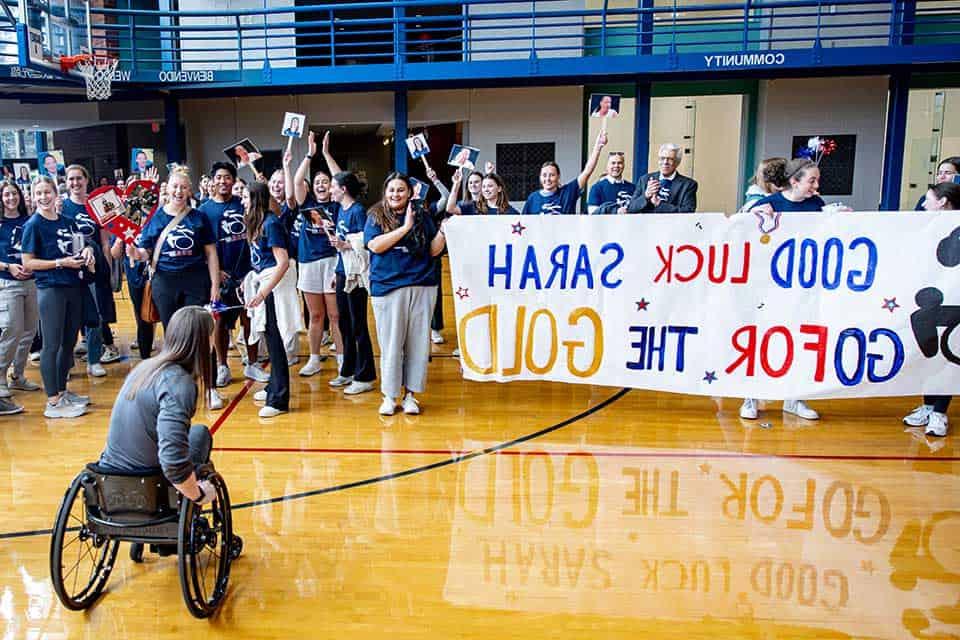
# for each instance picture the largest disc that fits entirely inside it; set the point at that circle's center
(224, 377)
(435, 337)
(924, 416)
(215, 400)
(270, 412)
(388, 406)
(410, 405)
(340, 381)
(96, 370)
(800, 409)
(64, 409)
(256, 373)
(357, 387)
(73, 398)
(260, 396)
(22, 384)
(110, 354)
(749, 410)
(312, 367)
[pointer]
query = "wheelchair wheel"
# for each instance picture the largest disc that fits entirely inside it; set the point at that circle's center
(80, 561)
(204, 551)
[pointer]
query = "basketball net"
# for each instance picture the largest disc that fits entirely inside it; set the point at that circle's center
(97, 72)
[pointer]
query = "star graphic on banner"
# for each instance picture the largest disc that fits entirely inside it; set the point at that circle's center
(129, 233)
(463, 292)
(710, 377)
(890, 304)
(518, 228)
(642, 304)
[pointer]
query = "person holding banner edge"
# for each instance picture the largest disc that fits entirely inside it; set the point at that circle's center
(932, 414)
(557, 199)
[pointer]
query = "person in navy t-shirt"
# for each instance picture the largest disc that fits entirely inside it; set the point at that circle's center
(51, 249)
(268, 250)
(947, 171)
(493, 199)
(403, 240)
(612, 193)
(225, 213)
(556, 199)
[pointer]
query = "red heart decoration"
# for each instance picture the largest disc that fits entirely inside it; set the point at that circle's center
(123, 214)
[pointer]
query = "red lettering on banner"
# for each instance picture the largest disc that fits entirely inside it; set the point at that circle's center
(746, 351)
(697, 269)
(819, 346)
(717, 261)
(788, 357)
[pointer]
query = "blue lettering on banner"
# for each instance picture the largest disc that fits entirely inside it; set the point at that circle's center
(745, 60)
(648, 346)
(828, 264)
(866, 361)
(563, 275)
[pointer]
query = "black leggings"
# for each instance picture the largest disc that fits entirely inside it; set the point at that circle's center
(357, 348)
(278, 389)
(940, 403)
(175, 290)
(144, 329)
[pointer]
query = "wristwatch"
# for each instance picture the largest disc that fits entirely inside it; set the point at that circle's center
(308, 156)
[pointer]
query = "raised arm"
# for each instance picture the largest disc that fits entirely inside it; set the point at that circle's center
(452, 206)
(300, 186)
(584, 176)
(444, 200)
(289, 192)
(331, 163)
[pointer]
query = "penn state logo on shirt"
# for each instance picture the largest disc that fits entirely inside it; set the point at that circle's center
(255, 256)
(15, 253)
(180, 241)
(232, 227)
(65, 241)
(85, 225)
(297, 227)
(623, 198)
(551, 209)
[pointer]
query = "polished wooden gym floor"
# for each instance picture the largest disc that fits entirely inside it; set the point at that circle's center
(520, 511)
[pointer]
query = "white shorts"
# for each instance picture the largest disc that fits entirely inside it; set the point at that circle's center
(319, 276)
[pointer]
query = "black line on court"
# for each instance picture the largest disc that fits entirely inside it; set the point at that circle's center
(400, 474)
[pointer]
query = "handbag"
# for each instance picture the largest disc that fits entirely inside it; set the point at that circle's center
(148, 310)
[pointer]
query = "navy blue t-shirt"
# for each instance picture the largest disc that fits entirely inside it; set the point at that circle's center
(352, 220)
(313, 241)
(137, 274)
(87, 225)
(782, 205)
(226, 220)
(408, 263)
(561, 201)
(273, 234)
(49, 240)
(470, 209)
(292, 222)
(605, 192)
(183, 248)
(11, 236)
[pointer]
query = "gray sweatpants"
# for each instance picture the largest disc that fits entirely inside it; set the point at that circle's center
(403, 331)
(18, 324)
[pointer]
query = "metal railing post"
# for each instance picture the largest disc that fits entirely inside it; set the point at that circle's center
(603, 29)
(236, 21)
(333, 46)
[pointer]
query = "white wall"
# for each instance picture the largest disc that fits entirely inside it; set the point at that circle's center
(813, 106)
(565, 32)
(225, 51)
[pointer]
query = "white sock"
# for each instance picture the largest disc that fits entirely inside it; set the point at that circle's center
(339, 361)
(314, 359)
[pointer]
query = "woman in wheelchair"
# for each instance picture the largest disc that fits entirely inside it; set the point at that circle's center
(127, 495)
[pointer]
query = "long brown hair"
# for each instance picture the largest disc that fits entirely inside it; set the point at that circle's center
(22, 204)
(387, 219)
(186, 342)
(253, 217)
(503, 201)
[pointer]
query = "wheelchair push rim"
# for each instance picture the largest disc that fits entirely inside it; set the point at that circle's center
(80, 560)
(204, 551)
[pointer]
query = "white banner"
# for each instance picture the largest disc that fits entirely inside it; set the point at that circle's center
(800, 306)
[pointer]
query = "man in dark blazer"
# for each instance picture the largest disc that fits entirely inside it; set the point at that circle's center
(665, 191)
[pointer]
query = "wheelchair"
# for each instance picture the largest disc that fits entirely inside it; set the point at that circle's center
(102, 508)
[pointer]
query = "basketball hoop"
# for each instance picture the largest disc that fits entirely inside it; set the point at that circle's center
(97, 72)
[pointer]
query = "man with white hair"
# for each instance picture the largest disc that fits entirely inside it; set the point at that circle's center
(665, 190)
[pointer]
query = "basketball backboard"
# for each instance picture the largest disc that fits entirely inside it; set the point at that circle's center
(49, 29)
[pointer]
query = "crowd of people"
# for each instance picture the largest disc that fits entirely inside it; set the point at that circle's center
(293, 253)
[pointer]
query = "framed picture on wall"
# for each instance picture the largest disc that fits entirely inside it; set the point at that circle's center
(835, 153)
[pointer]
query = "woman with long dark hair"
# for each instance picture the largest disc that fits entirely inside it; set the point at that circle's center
(18, 296)
(493, 198)
(268, 256)
(404, 241)
(357, 371)
(52, 251)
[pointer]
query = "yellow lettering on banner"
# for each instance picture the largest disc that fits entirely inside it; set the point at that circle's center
(573, 345)
(491, 312)
(531, 333)
(517, 343)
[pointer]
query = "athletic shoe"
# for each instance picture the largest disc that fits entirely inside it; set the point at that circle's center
(800, 408)
(332, 346)
(215, 401)
(937, 425)
(270, 412)
(325, 339)
(292, 362)
(455, 353)
(387, 407)
(410, 405)
(919, 417)
(35, 356)
(260, 396)
(96, 370)
(110, 354)
(223, 375)
(63, 409)
(748, 410)
(341, 381)
(5, 390)
(76, 399)
(81, 348)
(311, 368)
(357, 387)
(435, 337)
(256, 373)
(22, 384)
(8, 408)
(134, 346)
